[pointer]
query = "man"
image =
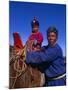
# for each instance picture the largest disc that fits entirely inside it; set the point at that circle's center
(50, 59)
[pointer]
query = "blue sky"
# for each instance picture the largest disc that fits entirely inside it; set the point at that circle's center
(21, 14)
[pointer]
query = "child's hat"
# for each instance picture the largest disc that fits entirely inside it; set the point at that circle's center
(34, 22)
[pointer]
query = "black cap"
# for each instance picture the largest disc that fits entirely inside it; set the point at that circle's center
(52, 29)
(34, 22)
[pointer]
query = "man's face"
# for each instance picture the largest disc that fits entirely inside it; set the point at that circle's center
(35, 28)
(52, 38)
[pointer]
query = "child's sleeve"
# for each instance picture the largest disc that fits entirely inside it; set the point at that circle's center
(40, 38)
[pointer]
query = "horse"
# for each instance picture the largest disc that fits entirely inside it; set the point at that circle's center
(22, 75)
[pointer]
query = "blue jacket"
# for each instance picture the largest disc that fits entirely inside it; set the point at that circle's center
(50, 60)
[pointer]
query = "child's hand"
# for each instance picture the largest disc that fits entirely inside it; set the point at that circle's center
(29, 45)
(36, 49)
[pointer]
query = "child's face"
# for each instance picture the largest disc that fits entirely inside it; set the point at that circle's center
(35, 29)
(52, 38)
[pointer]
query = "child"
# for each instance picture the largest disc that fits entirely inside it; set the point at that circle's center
(36, 37)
